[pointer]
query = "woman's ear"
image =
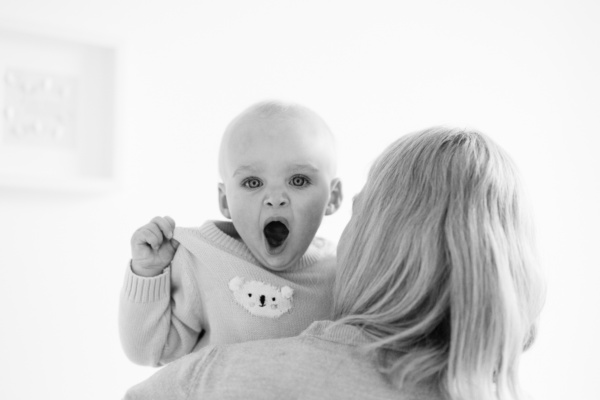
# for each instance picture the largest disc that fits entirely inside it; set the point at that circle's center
(223, 201)
(335, 197)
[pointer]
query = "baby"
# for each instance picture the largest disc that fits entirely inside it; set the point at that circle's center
(262, 275)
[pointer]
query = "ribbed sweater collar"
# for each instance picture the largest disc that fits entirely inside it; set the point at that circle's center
(223, 235)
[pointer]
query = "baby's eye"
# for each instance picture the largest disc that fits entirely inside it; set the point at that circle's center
(273, 299)
(299, 181)
(252, 183)
(249, 294)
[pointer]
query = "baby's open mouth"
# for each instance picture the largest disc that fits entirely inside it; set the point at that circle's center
(276, 232)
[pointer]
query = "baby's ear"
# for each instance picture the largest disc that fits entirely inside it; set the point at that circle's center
(335, 196)
(223, 201)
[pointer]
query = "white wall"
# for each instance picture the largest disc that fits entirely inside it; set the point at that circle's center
(524, 72)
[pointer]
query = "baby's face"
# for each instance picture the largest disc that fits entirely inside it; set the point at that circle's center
(277, 181)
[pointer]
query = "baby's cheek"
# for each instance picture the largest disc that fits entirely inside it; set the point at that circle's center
(311, 215)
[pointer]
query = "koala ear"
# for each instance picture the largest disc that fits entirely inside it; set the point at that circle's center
(236, 283)
(287, 292)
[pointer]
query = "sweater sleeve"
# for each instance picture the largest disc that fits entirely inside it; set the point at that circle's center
(160, 317)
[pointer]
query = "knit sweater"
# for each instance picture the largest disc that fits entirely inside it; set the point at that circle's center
(216, 292)
(325, 362)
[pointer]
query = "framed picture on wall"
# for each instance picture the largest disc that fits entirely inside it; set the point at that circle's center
(58, 101)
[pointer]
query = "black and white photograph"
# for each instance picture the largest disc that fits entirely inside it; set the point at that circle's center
(283, 199)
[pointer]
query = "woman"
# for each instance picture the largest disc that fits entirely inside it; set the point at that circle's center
(436, 294)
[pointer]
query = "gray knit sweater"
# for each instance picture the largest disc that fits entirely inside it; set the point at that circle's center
(216, 292)
(325, 362)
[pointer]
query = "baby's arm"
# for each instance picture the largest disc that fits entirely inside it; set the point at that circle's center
(159, 314)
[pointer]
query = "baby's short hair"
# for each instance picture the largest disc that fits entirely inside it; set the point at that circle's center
(275, 109)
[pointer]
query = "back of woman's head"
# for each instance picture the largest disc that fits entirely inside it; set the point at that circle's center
(438, 265)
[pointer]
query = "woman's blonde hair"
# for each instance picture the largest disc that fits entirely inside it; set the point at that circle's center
(438, 265)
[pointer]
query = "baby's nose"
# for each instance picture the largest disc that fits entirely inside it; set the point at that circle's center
(262, 300)
(276, 200)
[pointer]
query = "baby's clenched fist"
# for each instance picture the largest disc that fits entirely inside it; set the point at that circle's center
(153, 247)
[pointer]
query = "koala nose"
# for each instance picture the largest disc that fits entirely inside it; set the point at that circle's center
(262, 300)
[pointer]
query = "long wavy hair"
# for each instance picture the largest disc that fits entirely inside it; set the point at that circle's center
(438, 265)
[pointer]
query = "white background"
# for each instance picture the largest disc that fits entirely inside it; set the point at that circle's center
(527, 73)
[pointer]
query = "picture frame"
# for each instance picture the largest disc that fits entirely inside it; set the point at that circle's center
(58, 126)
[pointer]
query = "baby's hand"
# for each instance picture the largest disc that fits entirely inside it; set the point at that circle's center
(153, 247)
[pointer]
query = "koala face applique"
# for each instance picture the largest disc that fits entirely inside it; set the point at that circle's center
(261, 299)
